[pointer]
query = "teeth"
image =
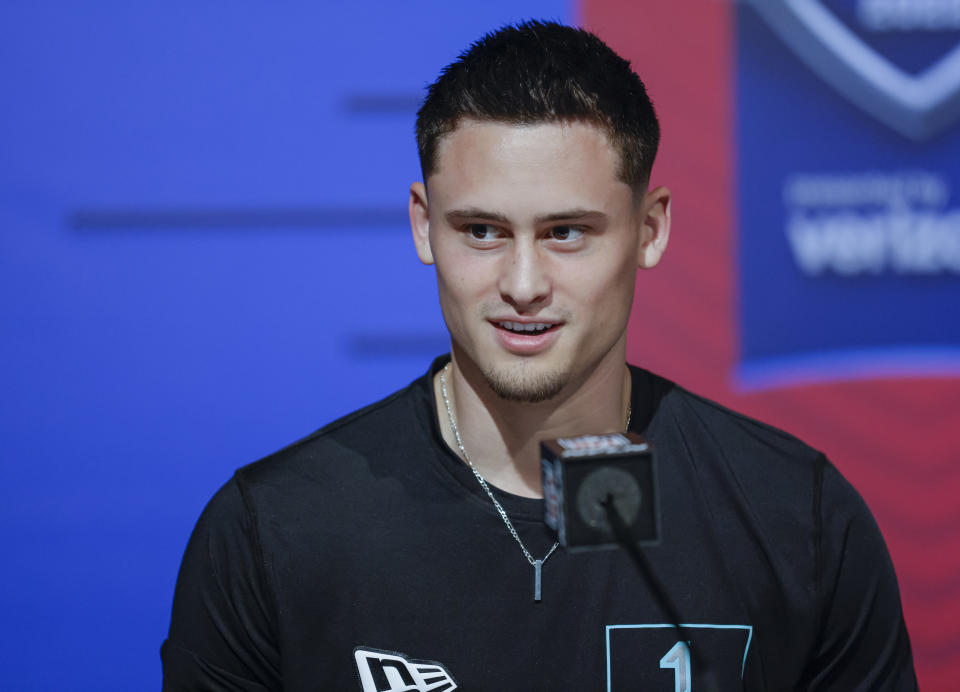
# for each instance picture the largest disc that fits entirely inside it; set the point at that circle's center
(526, 326)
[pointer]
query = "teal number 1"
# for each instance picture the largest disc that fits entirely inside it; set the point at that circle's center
(678, 658)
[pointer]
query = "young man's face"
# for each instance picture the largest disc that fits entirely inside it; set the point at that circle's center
(536, 243)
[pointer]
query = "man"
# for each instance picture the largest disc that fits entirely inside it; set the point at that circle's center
(403, 547)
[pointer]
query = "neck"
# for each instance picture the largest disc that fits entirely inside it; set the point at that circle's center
(502, 438)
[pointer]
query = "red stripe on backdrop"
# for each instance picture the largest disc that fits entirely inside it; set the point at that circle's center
(896, 441)
(684, 308)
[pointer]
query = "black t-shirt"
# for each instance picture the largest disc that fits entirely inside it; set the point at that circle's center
(367, 557)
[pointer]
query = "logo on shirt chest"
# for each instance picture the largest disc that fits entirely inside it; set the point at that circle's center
(390, 671)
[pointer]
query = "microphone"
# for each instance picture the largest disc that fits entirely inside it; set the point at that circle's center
(580, 473)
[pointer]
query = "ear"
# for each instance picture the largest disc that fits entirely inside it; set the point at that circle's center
(420, 222)
(656, 227)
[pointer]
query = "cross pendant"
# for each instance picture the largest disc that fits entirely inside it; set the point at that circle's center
(537, 569)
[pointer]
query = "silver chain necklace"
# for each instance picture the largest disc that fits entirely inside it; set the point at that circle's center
(536, 564)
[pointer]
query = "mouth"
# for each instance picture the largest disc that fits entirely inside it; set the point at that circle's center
(527, 338)
(527, 328)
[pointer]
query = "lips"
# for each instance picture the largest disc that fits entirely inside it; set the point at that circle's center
(528, 337)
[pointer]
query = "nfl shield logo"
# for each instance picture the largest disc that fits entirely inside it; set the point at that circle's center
(859, 46)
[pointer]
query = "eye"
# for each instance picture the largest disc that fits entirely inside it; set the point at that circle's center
(482, 231)
(566, 233)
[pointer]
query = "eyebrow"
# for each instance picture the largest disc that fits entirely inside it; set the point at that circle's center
(572, 215)
(475, 214)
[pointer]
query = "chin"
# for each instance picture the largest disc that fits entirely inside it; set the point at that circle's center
(524, 386)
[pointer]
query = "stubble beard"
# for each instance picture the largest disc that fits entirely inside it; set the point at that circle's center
(524, 386)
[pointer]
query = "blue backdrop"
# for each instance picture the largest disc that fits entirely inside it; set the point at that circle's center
(204, 255)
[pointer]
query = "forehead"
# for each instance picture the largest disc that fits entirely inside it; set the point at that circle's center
(549, 163)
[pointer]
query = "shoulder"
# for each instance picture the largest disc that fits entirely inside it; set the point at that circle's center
(706, 426)
(751, 475)
(772, 455)
(346, 463)
(370, 431)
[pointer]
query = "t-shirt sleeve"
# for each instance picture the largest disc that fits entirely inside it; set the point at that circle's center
(863, 643)
(222, 630)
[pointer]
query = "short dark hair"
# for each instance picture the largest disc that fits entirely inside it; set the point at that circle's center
(540, 72)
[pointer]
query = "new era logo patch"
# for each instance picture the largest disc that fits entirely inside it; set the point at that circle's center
(390, 671)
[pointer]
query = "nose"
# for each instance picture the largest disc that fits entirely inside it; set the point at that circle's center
(524, 280)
